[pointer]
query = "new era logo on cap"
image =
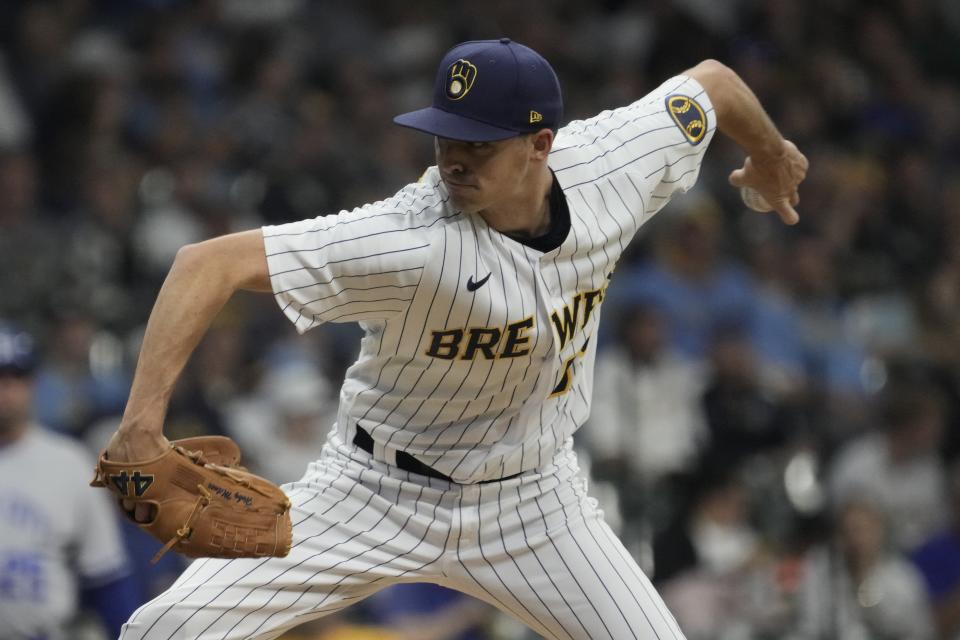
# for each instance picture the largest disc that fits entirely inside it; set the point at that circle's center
(490, 90)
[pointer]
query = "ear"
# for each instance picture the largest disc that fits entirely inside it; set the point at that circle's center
(541, 142)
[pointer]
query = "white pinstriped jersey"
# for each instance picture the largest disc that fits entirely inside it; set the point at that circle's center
(478, 350)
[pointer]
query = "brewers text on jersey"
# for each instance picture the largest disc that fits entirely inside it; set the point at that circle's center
(479, 290)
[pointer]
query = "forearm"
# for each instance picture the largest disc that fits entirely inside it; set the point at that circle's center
(774, 167)
(739, 114)
(203, 277)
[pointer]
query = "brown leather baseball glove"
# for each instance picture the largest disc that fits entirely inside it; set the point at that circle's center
(204, 504)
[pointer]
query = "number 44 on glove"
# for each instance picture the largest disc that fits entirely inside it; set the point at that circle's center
(204, 503)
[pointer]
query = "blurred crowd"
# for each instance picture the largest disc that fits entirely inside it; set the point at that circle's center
(776, 422)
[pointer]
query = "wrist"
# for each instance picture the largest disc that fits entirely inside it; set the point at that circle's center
(140, 426)
(139, 431)
(769, 151)
(144, 414)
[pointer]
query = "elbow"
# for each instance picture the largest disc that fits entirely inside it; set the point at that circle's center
(711, 65)
(235, 261)
(712, 74)
(721, 83)
(189, 256)
(201, 264)
(197, 260)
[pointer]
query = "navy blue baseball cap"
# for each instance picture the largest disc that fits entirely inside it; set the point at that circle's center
(490, 90)
(17, 353)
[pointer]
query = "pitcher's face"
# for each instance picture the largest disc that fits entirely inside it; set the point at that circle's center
(479, 175)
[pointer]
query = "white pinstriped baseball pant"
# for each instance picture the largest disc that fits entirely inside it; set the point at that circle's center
(535, 546)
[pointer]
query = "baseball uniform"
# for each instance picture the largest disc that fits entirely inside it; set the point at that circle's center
(54, 532)
(451, 460)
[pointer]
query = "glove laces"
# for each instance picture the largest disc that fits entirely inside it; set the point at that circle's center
(184, 532)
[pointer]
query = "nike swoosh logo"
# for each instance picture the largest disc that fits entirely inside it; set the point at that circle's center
(473, 286)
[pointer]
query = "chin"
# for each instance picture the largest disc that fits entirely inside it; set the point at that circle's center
(467, 205)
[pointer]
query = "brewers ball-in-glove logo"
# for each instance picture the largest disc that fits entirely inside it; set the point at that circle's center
(462, 76)
(689, 116)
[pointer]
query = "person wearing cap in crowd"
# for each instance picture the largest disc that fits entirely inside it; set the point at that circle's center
(59, 540)
(478, 289)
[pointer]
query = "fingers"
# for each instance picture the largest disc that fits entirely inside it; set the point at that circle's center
(126, 447)
(787, 213)
(144, 513)
(804, 163)
(737, 178)
(777, 181)
(140, 512)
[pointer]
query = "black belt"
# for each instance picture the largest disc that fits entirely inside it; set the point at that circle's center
(407, 462)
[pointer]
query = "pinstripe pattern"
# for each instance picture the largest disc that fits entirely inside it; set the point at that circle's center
(534, 546)
(400, 267)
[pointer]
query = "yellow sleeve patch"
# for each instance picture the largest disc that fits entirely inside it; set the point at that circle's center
(689, 116)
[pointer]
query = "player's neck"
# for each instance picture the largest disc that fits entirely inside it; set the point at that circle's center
(528, 214)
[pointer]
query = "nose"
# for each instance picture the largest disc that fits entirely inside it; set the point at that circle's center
(449, 159)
